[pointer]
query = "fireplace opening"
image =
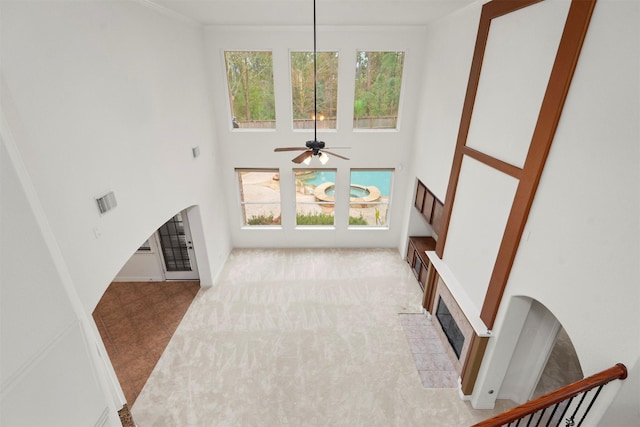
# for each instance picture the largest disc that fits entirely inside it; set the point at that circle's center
(450, 327)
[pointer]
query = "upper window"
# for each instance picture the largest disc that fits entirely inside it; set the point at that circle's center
(259, 196)
(302, 89)
(315, 202)
(250, 86)
(369, 197)
(377, 94)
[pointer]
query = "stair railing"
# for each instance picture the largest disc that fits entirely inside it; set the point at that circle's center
(570, 399)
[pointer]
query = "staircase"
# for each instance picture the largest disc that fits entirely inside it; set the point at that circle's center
(570, 404)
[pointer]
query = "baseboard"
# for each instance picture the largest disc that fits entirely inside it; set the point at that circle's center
(138, 279)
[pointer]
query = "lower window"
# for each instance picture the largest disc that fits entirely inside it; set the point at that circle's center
(369, 197)
(259, 196)
(315, 200)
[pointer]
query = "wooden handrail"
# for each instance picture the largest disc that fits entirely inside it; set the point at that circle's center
(619, 371)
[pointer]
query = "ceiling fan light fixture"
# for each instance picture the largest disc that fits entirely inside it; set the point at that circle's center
(307, 161)
(323, 158)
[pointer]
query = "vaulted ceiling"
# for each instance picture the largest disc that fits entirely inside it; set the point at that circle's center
(300, 12)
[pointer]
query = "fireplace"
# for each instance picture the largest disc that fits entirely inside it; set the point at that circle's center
(455, 330)
(460, 323)
(450, 327)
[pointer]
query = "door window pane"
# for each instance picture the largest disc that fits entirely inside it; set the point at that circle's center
(315, 200)
(259, 196)
(302, 89)
(377, 94)
(250, 87)
(173, 242)
(370, 195)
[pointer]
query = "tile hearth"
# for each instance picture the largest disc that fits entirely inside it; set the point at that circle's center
(432, 361)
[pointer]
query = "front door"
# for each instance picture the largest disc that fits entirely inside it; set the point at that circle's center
(178, 257)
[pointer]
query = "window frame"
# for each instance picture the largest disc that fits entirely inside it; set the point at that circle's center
(387, 202)
(244, 218)
(315, 202)
(336, 97)
(230, 108)
(396, 128)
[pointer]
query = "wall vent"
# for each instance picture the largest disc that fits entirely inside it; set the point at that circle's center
(106, 202)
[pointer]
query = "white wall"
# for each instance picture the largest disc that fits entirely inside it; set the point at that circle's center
(112, 96)
(47, 358)
(581, 257)
(448, 49)
(580, 253)
(96, 96)
(254, 149)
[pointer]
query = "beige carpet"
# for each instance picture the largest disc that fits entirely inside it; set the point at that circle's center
(299, 338)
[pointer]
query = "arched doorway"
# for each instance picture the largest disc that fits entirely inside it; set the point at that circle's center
(168, 254)
(142, 307)
(544, 358)
(562, 367)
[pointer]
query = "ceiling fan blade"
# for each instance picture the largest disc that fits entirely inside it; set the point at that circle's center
(290, 149)
(333, 148)
(302, 157)
(334, 154)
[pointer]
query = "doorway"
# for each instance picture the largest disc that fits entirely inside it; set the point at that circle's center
(562, 367)
(176, 243)
(543, 358)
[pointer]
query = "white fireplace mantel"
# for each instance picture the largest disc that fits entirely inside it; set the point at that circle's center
(467, 306)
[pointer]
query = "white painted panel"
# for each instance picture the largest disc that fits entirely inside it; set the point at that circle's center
(58, 389)
(480, 211)
(510, 95)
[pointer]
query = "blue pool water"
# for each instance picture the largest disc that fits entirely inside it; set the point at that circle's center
(380, 179)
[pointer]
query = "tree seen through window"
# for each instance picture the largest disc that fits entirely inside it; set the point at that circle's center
(377, 93)
(250, 85)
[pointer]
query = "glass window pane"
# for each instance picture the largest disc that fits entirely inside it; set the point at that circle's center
(370, 192)
(259, 196)
(302, 89)
(377, 95)
(315, 201)
(250, 85)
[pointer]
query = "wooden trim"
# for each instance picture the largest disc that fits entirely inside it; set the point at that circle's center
(472, 364)
(430, 288)
(573, 35)
(497, 8)
(490, 10)
(617, 372)
(492, 162)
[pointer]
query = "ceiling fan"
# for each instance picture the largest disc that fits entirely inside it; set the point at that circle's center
(315, 147)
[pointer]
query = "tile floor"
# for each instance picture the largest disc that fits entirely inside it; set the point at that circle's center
(136, 321)
(432, 361)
